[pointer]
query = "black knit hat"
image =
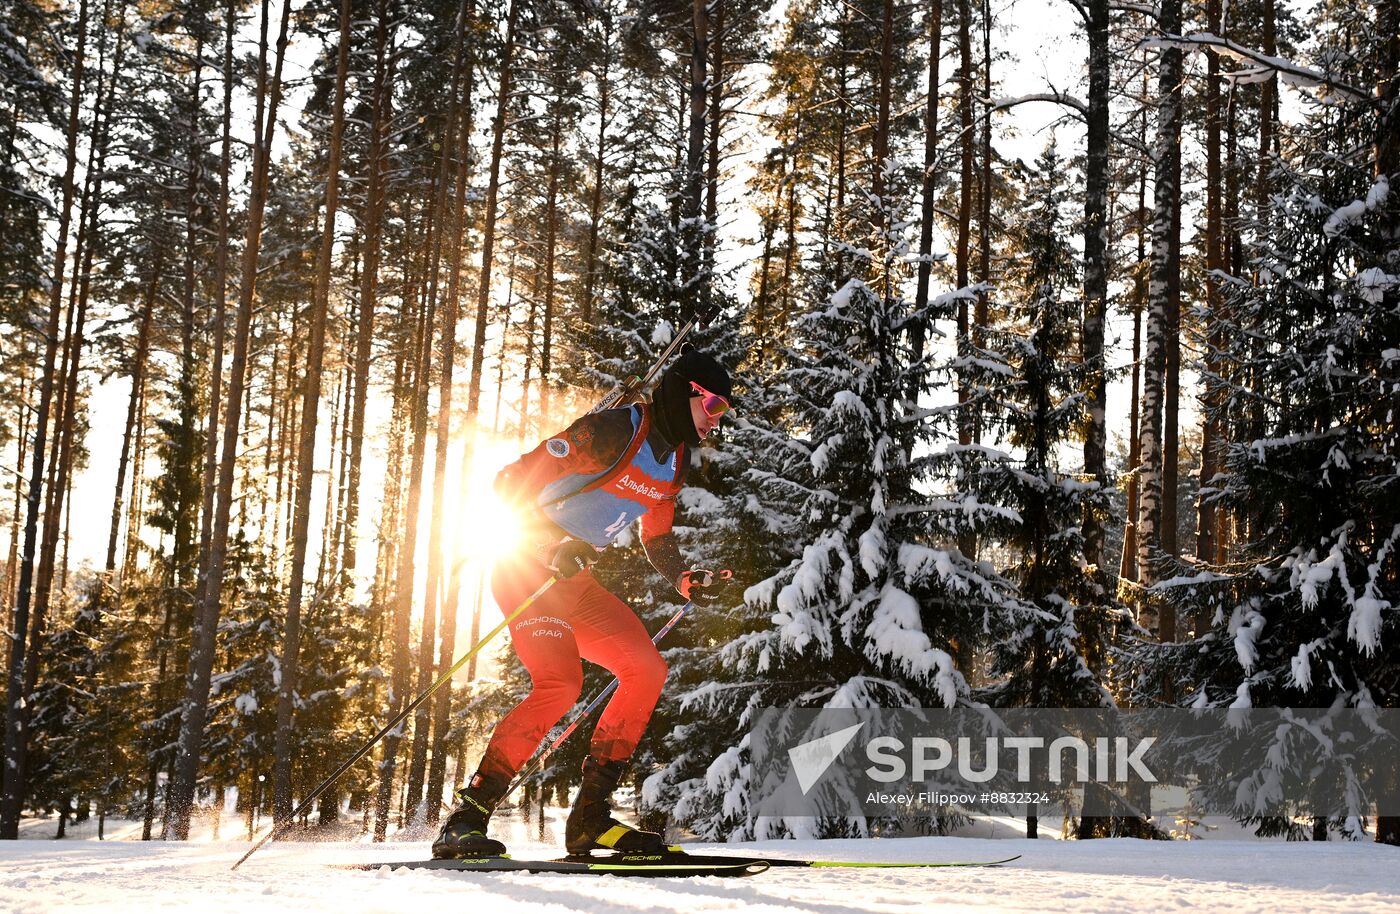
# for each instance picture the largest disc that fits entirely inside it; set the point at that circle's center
(671, 401)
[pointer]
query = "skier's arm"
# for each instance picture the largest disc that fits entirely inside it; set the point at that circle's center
(659, 541)
(591, 445)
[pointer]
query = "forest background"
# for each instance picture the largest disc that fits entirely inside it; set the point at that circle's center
(1066, 338)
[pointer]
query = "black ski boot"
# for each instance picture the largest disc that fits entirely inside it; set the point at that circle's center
(591, 825)
(463, 835)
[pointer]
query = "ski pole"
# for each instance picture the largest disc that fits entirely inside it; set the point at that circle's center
(442, 680)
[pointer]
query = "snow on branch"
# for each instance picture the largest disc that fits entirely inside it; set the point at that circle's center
(1265, 65)
(1147, 9)
(1058, 98)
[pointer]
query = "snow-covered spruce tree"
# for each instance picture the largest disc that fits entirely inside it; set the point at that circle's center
(868, 611)
(1039, 410)
(736, 513)
(336, 667)
(1304, 615)
(243, 690)
(86, 710)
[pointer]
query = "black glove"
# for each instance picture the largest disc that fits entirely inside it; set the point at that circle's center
(572, 556)
(702, 586)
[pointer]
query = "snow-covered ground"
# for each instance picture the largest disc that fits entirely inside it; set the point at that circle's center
(121, 875)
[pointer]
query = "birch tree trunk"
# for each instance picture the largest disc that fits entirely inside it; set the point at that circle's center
(919, 327)
(1163, 284)
(1096, 277)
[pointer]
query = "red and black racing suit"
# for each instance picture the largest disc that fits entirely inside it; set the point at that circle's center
(589, 482)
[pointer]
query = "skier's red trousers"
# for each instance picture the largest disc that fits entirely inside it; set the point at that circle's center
(576, 618)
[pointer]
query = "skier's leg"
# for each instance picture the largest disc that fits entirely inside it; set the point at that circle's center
(545, 644)
(544, 640)
(610, 634)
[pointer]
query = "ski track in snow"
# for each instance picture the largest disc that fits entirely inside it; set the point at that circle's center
(1111, 875)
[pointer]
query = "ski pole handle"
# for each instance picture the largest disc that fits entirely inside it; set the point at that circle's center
(446, 677)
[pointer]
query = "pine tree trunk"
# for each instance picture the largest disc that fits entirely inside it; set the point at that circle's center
(406, 544)
(880, 151)
(1388, 94)
(1212, 445)
(138, 382)
(1128, 567)
(476, 622)
(711, 149)
(790, 248)
(842, 113)
(761, 304)
(136, 505)
(418, 752)
(211, 434)
(175, 818)
(335, 482)
(1388, 163)
(404, 589)
(1263, 185)
(392, 490)
(201, 658)
(523, 426)
(551, 244)
(67, 404)
(458, 139)
(372, 229)
(505, 346)
(488, 238)
(595, 198)
(695, 239)
(306, 445)
(16, 736)
(967, 542)
(981, 313)
(21, 442)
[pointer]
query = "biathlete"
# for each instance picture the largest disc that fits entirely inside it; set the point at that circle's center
(576, 492)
